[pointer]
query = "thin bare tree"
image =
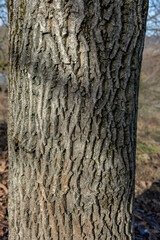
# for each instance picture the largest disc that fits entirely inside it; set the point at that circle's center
(3, 13)
(153, 21)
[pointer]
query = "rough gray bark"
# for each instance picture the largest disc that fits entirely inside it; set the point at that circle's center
(74, 77)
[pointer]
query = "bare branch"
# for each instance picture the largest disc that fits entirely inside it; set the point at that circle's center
(3, 13)
(153, 23)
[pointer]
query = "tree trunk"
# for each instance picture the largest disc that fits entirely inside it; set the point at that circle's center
(73, 91)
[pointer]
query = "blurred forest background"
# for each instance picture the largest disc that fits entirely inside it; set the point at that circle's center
(147, 190)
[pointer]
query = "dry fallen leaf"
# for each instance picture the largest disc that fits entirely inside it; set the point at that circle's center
(4, 188)
(1, 233)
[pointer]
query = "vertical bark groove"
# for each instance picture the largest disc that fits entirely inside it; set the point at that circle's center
(74, 76)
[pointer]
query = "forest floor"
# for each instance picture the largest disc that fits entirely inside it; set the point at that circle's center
(147, 189)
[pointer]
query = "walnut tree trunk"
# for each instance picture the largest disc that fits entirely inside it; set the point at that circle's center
(73, 92)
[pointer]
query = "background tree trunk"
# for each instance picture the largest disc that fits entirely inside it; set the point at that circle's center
(74, 77)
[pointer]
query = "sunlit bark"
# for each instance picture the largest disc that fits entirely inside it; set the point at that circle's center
(74, 77)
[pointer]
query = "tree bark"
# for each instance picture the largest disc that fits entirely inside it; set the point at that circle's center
(73, 93)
